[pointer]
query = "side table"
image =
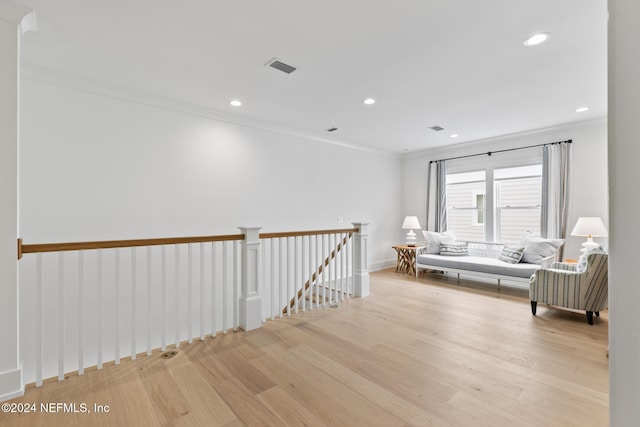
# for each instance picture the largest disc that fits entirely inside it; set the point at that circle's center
(406, 259)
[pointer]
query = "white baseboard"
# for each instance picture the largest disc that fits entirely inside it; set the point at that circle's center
(11, 385)
(381, 265)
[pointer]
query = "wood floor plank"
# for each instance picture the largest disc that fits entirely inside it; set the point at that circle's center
(289, 410)
(168, 402)
(379, 395)
(207, 407)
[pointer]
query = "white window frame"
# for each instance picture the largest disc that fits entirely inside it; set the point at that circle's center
(518, 158)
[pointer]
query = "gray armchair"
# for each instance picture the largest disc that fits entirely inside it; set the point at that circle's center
(561, 285)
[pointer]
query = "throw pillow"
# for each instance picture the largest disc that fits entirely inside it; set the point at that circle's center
(582, 261)
(454, 249)
(511, 254)
(537, 248)
(435, 239)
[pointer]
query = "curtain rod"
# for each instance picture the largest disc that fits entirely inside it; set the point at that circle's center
(489, 153)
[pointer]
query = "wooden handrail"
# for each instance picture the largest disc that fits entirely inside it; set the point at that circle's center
(111, 244)
(307, 233)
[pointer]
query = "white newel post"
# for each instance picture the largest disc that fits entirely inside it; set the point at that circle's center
(360, 262)
(14, 20)
(250, 299)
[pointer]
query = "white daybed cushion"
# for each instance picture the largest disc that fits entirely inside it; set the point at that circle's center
(479, 264)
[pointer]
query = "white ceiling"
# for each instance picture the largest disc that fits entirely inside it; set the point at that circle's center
(459, 64)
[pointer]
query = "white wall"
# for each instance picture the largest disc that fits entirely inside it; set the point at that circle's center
(10, 374)
(624, 176)
(100, 167)
(589, 170)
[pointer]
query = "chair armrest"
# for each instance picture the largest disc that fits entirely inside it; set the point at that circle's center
(557, 287)
(564, 266)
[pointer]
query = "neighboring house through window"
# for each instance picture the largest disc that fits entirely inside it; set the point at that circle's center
(499, 203)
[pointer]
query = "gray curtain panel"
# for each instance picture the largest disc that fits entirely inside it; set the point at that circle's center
(436, 196)
(556, 163)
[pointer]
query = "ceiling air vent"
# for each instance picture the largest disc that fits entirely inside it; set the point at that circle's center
(281, 66)
(436, 128)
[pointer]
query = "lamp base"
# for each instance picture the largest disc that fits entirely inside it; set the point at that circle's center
(411, 238)
(589, 244)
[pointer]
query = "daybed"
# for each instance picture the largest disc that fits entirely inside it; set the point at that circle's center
(489, 260)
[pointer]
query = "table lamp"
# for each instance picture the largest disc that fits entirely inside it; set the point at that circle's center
(589, 226)
(411, 222)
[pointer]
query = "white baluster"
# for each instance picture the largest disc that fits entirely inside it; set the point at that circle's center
(116, 308)
(236, 284)
(330, 271)
(325, 269)
(149, 293)
(61, 316)
(273, 279)
(80, 313)
(263, 271)
(339, 267)
(280, 276)
(133, 303)
(343, 251)
(202, 291)
(349, 263)
(303, 266)
(214, 328)
(39, 315)
(225, 284)
(189, 290)
(163, 298)
(319, 264)
(99, 310)
(310, 292)
(296, 272)
(337, 273)
(289, 284)
(176, 295)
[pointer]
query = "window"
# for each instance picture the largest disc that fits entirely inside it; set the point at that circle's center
(497, 205)
(466, 205)
(518, 193)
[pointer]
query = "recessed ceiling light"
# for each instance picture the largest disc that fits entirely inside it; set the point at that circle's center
(536, 39)
(582, 109)
(235, 103)
(369, 101)
(454, 135)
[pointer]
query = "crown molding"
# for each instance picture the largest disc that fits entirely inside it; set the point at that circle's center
(472, 145)
(94, 87)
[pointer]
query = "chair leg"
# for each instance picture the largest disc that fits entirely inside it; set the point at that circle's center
(597, 313)
(534, 305)
(590, 317)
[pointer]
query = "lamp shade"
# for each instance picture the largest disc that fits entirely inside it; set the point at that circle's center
(589, 226)
(411, 222)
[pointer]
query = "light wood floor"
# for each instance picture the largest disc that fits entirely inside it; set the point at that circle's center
(415, 352)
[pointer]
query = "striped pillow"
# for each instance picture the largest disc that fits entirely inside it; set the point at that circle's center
(454, 249)
(511, 254)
